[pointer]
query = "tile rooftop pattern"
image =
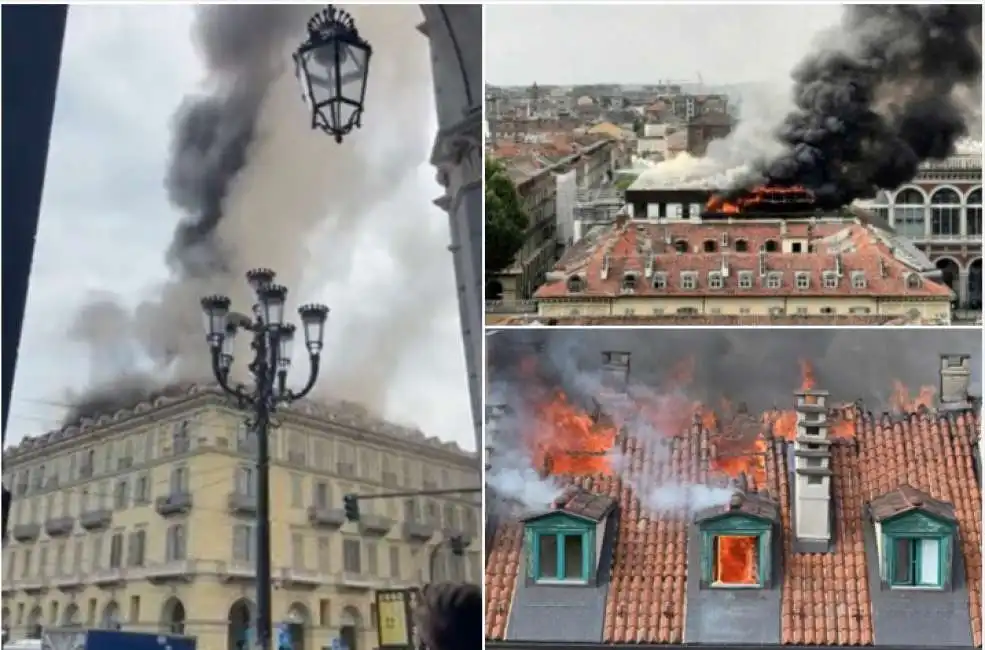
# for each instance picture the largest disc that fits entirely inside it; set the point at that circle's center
(601, 262)
(825, 597)
(709, 319)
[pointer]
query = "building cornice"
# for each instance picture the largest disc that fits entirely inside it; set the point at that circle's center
(175, 402)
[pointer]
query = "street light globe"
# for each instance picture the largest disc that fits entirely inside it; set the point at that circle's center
(332, 66)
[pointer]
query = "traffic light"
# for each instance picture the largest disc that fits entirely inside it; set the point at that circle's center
(351, 504)
(457, 545)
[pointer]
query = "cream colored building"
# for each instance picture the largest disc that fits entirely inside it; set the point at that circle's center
(145, 518)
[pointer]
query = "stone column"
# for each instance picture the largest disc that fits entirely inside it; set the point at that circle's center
(455, 35)
(962, 283)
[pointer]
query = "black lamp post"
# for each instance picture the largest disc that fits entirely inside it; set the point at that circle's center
(272, 339)
(332, 66)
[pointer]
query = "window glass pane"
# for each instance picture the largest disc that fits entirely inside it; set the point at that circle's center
(548, 556)
(573, 557)
(902, 573)
(930, 561)
(736, 560)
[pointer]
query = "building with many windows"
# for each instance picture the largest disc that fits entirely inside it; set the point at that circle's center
(940, 211)
(145, 519)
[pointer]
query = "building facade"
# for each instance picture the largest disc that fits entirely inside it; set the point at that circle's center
(145, 519)
(593, 165)
(941, 212)
(790, 267)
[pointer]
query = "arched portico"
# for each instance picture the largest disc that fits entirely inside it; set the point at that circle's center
(351, 627)
(241, 614)
(173, 616)
(298, 623)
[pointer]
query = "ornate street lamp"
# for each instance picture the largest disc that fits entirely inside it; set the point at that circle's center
(332, 67)
(271, 342)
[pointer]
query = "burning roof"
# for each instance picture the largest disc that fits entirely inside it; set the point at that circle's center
(764, 200)
(665, 449)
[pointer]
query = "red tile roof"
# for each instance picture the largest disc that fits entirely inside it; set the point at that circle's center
(627, 248)
(705, 319)
(825, 596)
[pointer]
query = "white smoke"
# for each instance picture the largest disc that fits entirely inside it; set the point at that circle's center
(511, 472)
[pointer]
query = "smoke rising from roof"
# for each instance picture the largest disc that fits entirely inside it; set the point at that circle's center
(888, 88)
(255, 186)
(757, 368)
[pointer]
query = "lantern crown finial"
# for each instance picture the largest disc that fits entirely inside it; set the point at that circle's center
(330, 22)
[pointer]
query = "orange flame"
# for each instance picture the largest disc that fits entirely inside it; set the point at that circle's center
(737, 560)
(903, 402)
(757, 197)
(566, 440)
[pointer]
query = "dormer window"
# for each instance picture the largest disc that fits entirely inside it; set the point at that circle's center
(681, 246)
(774, 280)
(562, 545)
(736, 542)
(770, 246)
(689, 280)
(913, 281)
(830, 280)
(660, 280)
(710, 245)
(803, 280)
(715, 280)
(915, 535)
(745, 279)
(858, 279)
(629, 282)
(741, 246)
(576, 284)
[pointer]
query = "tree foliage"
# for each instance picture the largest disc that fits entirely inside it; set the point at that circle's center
(506, 222)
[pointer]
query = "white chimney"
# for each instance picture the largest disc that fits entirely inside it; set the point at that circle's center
(615, 370)
(650, 263)
(812, 469)
(955, 381)
(604, 272)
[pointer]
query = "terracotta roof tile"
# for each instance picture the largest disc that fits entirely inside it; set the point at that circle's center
(825, 596)
(627, 249)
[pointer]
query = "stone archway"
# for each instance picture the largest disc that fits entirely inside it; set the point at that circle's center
(173, 616)
(239, 622)
(950, 275)
(72, 616)
(298, 623)
(975, 284)
(34, 622)
(351, 627)
(110, 620)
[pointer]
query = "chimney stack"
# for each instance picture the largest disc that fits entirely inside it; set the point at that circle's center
(955, 382)
(812, 472)
(615, 370)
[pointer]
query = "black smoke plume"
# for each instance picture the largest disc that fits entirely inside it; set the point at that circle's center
(757, 367)
(243, 49)
(871, 109)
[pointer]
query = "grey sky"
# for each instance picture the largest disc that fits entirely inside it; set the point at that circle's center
(105, 220)
(573, 44)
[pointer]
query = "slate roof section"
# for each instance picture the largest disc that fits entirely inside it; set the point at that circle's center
(755, 504)
(906, 498)
(826, 598)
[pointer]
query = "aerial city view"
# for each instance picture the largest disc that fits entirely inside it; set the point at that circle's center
(831, 176)
(281, 477)
(734, 488)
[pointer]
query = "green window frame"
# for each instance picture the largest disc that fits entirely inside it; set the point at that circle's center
(917, 549)
(712, 531)
(917, 561)
(562, 543)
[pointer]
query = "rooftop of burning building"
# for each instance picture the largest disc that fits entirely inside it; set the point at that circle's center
(180, 398)
(841, 320)
(657, 579)
(744, 255)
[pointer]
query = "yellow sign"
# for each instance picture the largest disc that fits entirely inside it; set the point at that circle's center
(392, 609)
